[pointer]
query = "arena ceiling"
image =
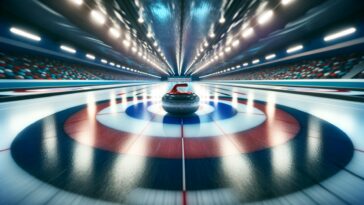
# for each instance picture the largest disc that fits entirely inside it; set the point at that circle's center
(181, 37)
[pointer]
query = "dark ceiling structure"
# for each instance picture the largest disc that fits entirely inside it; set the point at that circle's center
(181, 37)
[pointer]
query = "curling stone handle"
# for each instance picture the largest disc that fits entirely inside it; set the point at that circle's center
(175, 91)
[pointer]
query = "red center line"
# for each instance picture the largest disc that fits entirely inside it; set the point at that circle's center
(184, 194)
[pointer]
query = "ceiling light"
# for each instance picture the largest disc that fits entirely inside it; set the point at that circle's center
(271, 56)
(255, 61)
(134, 49)
(248, 32)
(294, 48)
(25, 34)
(103, 61)
(77, 2)
(228, 49)
(216, 57)
(221, 53)
(68, 49)
(149, 34)
(126, 43)
(222, 19)
(235, 43)
(118, 66)
(206, 44)
(212, 35)
(140, 19)
(90, 56)
(286, 2)
(155, 44)
(340, 34)
(265, 17)
(114, 32)
(98, 17)
(140, 53)
(112, 63)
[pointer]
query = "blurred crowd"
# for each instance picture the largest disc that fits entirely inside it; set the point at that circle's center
(43, 67)
(334, 67)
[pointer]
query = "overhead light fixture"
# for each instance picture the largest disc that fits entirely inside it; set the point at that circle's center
(77, 2)
(294, 48)
(212, 35)
(286, 2)
(340, 34)
(255, 61)
(265, 17)
(221, 54)
(114, 32)
(235, 43)
(206, 44)
(112, 63)
(245, 64)
(118, 66)
(228, 49)
(140, 19)
(90, 56)
(98, 17)
(103, 61)
(68, 49)
(25, 34)
(126, 43)
(248, 32)
(271, 56)
(149, 34)
(222, 19)
(155, 44)
(140, 53)
(134, 49)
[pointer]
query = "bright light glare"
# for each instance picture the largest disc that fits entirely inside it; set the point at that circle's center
(222, 19)
(212, 35)
(68, 49)
(126, 43)
(103, 61)
(77, 2)
(265, 17)
(90, 56)
(114, 32)
(112, 63)
(294, 49)
(25, 34)
(235, 43)
(245, 64)
(149, 34)
(286, 2)
(340, 34)
(140, 20)
(271, 56)
(256, 61)
(248, 32)
(98, 17)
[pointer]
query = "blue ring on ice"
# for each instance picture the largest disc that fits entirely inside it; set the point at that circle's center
(221, 111)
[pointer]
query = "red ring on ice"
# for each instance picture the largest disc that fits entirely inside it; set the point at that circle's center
(277, 129)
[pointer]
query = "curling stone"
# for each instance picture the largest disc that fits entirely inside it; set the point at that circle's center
(180, 103)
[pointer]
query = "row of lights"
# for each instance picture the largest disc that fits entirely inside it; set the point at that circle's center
(69, 49)
(100, 19)
(246, 33)
(293, 49)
